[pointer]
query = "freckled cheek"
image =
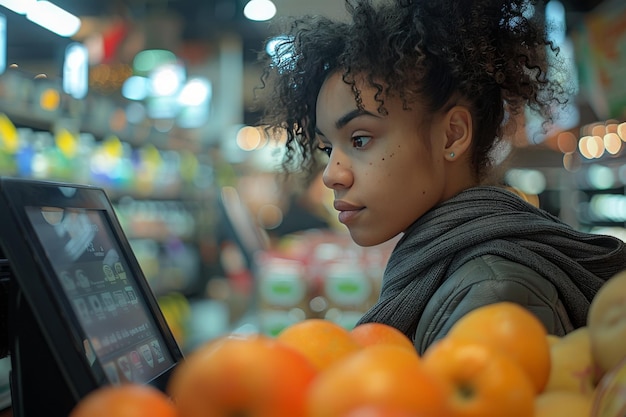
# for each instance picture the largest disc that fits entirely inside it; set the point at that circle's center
(381, 171)
(388, 157)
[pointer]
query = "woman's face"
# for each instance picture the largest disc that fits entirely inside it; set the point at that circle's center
(385, 170)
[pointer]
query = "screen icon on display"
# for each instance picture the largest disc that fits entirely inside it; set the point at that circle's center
(147, 355)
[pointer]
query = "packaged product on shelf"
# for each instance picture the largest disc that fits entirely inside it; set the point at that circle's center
(283, 292)
(317, 274)
(348, 291)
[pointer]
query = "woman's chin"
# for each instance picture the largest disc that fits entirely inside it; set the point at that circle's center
(366, 238)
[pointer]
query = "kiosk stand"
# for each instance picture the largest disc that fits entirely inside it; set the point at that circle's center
(76, 311)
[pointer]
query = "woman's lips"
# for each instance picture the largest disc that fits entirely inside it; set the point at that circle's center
(346, 210)
(346, 216)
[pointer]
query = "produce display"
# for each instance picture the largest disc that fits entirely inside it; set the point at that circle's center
(497, 360)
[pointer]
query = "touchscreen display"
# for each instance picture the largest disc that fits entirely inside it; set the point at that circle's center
(121, 333)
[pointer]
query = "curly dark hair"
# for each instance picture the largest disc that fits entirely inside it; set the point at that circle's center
(491, 54)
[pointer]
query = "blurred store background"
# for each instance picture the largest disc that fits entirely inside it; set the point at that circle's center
(152, 99)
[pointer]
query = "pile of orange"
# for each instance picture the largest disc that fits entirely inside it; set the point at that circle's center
(128, 400)
(495, 361)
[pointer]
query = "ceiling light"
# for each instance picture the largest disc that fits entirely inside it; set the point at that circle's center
(259, 10)
(18, 6)
(167, 80)
(53, 18)
(76, 70)
(196, 92)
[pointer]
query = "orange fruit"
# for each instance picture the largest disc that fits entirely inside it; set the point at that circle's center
(368, 334)
(515, 331)
(377, 377)
(251, 375)
(127, 400)
(484, 381)
(323, 342)
(379, 411)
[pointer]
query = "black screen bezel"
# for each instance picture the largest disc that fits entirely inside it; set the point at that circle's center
(41, 287)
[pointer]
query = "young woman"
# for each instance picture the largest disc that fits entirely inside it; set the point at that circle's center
(409, 101)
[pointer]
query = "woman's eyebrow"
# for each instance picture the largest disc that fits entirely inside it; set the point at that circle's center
(346, 118)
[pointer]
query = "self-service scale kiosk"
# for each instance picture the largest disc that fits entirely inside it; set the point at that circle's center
(76, 311)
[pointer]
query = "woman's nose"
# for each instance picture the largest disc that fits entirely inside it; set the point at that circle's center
(338, 173)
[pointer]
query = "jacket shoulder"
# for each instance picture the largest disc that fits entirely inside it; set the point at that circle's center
(486, 280)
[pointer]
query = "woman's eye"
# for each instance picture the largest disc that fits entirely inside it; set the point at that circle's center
(326, 149)
(360, 141)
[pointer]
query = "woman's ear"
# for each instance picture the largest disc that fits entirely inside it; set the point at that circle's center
(459, 132)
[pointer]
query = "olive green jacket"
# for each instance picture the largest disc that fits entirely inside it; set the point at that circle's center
(486, 280)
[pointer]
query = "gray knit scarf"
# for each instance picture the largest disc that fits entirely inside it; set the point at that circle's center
(490, 220)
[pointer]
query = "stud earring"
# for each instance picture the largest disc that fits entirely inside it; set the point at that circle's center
(451, 154)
